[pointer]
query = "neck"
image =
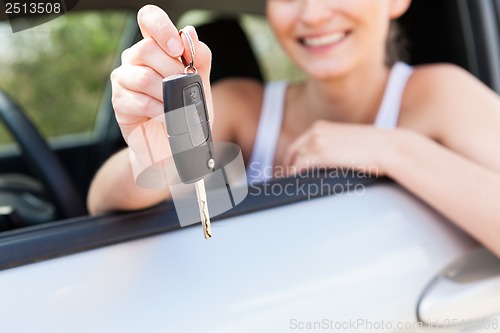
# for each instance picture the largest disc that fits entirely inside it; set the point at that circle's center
(354, 98)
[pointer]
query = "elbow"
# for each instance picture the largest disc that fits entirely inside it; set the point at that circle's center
(93, 201)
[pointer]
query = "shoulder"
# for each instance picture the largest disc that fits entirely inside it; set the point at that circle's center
(235, 98)
(240, 89)
(439, 92)
(434, 78)
(237, 107)
(436, 83)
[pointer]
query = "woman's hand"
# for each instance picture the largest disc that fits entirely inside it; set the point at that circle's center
(336, 145)
(137, 84)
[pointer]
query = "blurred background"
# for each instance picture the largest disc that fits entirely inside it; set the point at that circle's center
(58, 71)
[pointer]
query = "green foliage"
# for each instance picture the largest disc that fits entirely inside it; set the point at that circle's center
(58, 72)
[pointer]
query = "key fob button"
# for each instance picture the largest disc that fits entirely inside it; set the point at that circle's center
(198, 134)
(192, 96)
(195, 114)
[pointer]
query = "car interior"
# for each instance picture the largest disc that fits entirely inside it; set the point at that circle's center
(43, 183)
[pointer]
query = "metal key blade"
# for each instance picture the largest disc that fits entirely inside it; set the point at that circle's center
(201, 195)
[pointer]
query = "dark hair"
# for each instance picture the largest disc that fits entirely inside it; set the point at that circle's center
(396, 45)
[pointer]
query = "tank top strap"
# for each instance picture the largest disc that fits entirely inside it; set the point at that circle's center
(269, 128)
(388, 114)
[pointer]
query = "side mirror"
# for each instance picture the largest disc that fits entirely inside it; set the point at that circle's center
(466, 292)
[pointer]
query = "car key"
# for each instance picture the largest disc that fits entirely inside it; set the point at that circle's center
(189, 131)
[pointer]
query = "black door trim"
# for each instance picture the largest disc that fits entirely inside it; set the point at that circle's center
(33, 244)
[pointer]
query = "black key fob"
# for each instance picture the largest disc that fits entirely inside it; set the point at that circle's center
(188, 126)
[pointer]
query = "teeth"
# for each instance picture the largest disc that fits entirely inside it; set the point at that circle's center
(324, 40)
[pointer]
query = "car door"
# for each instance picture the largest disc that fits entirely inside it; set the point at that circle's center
(279, 262)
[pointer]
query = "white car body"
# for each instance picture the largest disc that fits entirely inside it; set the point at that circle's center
(335, 260)
(378, 261)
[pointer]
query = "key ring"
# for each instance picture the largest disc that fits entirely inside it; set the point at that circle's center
(191, 48)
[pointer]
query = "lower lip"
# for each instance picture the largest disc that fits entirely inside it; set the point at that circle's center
(327, 47)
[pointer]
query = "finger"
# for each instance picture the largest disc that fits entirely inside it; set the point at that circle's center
(301, 143)
(141, 79)
(202, 57)
(155, 23)
(148, 53)
(302, 162)
(124, 55)
(133, 107)
(187, 56)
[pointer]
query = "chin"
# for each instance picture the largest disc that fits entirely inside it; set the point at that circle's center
(325, 65)
(326, 70)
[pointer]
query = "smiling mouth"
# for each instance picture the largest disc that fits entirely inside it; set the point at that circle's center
(324, 40)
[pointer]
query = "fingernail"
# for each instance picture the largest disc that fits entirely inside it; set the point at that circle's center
(174, 47)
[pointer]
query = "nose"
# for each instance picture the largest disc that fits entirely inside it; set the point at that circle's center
(315, 12)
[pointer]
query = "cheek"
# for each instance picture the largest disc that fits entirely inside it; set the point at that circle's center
(282, 17)
(368, 15)
(372, 24)
(376, 16)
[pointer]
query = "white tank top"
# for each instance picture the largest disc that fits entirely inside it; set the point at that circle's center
(261, 163)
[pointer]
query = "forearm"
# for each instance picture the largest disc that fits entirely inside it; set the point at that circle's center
(465, 192)
(114, 188)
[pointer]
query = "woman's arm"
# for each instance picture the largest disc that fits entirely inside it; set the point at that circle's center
(137, 99)
(114, 187)
(462, 190)
(459, 176)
